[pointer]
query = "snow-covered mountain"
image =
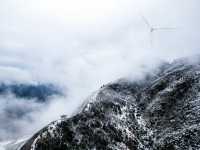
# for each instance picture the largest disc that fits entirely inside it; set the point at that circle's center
(160, 112)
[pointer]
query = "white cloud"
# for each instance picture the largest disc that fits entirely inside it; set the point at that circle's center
(84, 44)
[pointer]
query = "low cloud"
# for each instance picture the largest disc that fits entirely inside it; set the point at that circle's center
(82, 46)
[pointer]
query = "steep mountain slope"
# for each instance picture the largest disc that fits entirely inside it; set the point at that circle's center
(161, 112)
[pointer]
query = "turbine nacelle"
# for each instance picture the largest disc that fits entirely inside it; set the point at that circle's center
(153, 29)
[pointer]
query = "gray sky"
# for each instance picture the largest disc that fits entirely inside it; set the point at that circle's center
(83, 44)
(55, 40)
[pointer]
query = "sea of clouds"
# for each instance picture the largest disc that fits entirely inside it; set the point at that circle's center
(81, 45)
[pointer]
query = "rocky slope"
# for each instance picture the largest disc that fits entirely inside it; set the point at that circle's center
(161, 112)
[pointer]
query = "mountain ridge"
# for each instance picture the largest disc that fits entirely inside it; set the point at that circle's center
(161, 112)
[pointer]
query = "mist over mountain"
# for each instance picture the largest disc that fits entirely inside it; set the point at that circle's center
(18, 101)
(159, 112)
(55, 53)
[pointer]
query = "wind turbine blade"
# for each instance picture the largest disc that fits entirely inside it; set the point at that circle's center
(146, 21)
(165, 28)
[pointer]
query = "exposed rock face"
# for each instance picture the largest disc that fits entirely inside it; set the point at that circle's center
(162, 112)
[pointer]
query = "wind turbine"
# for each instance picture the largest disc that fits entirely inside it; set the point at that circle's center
(153, 29)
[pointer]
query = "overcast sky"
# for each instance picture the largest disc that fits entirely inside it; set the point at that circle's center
(83, 44)
(59, 39)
